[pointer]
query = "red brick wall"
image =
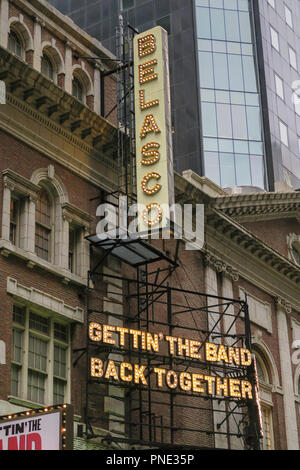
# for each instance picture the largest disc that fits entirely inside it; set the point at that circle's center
(275, 232)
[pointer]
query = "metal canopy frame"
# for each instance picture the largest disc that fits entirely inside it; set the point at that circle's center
(151, 416)
(152, 306)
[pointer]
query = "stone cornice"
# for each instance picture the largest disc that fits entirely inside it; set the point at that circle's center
(260, 206)
(19, 184)
(234, 232)
(42, 97)
(74, 214)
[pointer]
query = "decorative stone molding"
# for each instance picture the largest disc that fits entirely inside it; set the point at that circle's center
(74, 214)
(44, 300)
(20, 185)
(293, 239)
(221, 267)
(285, 306)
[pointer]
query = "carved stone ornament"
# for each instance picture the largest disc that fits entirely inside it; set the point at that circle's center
(221, 267)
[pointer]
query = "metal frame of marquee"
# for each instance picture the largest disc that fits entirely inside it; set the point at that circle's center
(155, 305)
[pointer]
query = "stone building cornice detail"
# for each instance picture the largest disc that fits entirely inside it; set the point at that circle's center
(220, 266)
(44, 300)
(19, 184)
(260, 206)
(283, 304)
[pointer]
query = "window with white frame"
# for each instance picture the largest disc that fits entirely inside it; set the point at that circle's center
(14, 43)
(274, 38)
(40, 357)
(47, 67)
(283, 133)
(279, 87)
(293, 58)
(263, 374)
(288, 16)
(43, 226)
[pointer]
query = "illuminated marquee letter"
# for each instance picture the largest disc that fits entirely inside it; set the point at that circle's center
(139, 374)
(148, 211)
(146, 45)
(160, 373)
(211, 352)
(146, 72)
(246, 359)
(149, 126)
(146, 179)
(143, 104)
(95, 333)
(111, 371)
(123, 367)
(96, 367)
(150, 153)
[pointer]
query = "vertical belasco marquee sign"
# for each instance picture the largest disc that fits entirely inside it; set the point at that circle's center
(155, 175)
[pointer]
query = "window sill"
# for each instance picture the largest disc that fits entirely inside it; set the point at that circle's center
(24, 403)
(7, 249)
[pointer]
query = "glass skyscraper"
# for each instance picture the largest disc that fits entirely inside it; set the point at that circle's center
(234, 73)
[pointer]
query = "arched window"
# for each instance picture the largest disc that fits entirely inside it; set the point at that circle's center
(43, 226)
(263, 374)
(15, 43)
(47, 67)
(77, 89)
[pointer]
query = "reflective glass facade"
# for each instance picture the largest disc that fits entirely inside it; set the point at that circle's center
(230, 100)
(234, 69)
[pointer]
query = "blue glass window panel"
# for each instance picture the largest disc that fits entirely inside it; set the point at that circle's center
(227, 170)
(208, 95)
(203, 23)
(222, 96)
(237, 97)
(249, 74)
(221, 71)
(241, 146)
(209, 120)
(204, 45)
(226, 145)
(257, 171)
(216, 3)
(243, 5)
(212, 168)
(232, 26)
(245, 25)
(217, 24)
(254, 123)
(239, 122)
(252, 99)
(202, 3)
(224, 121)
(219, 46)
(233, 48)
(235, 72)
(247, 49)
(230, 4)
(206, 70)
(256, 148)
(211, 145)
(242, 168)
